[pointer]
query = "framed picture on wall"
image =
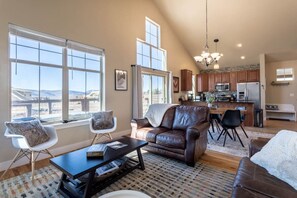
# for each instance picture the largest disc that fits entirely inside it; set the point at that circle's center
(175, 84)
(121, 80)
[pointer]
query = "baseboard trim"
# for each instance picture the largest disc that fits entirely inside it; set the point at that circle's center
(60, 150)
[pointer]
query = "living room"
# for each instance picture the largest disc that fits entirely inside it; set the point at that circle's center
(114, 27)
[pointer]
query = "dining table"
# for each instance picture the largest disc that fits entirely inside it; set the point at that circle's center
(222, 110)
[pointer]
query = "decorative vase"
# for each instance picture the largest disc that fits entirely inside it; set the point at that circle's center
(209, 105)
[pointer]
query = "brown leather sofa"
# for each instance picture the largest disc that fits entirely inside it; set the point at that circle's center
(182, 134)
(254, 181)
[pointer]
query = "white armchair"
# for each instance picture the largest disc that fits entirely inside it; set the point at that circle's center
(102, 132)
(20, 142)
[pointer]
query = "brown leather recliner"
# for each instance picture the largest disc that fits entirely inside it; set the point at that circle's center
(252, 180)
(182, 134)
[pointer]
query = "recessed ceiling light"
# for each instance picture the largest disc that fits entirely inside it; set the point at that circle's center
(242, 57)
(239, 45)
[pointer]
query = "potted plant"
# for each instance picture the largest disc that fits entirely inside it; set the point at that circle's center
(210, 98)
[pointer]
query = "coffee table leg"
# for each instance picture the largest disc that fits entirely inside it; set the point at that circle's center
(140, 159)
(61, 184)
(88, 188)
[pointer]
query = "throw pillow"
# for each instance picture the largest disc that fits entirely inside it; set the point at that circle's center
(33, 131)
(279, 157)
(102, 120)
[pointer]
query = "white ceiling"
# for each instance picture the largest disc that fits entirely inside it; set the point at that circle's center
(262, 26)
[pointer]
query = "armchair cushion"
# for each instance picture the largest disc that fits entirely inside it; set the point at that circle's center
(33, 131)
(102, 120)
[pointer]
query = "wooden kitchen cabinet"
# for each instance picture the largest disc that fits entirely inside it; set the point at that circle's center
(186, 80)
(253, 75)
(218, 78)
(211, 82)
(241, 76)
(225, 77)
(233, 81)
(202, 82)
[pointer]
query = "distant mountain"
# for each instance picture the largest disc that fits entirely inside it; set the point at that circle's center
(25, 94)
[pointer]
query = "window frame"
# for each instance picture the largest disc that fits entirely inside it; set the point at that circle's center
(65, 69)
(158, 73)
(284, 77)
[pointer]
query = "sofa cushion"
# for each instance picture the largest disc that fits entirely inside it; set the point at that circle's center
(168, 118)
(173, 139)
(149, 133)
(186, 116)
(256, 179)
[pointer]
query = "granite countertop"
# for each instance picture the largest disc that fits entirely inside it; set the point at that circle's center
(235, 101)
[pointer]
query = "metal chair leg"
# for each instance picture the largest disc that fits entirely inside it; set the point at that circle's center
(225, 137)
(244, 131)
(239, 138)
(210, 134)
(221, 134)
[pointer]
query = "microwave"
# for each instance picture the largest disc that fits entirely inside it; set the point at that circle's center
(222, 87)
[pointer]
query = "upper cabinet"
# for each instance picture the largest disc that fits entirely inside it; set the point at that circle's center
(225, 77)
(233, 81)
(211, 82)
(186, 80)
(218, 77)
(253, 75)
(242, 76)
(202, 82)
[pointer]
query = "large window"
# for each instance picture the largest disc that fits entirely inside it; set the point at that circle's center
(153, 90)
(284, 74)
(53, 79)
(149, 53)
(153, 58)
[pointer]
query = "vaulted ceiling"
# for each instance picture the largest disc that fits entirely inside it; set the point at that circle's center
(261, 26)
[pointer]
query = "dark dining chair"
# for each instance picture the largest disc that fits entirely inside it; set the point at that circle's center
(242, 118)
(230, 120)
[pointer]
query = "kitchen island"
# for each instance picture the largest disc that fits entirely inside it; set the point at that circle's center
(249, 105)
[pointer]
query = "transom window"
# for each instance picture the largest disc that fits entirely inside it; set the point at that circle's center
(284, 74)
(53, 79)
(152, 58)
(149, 53)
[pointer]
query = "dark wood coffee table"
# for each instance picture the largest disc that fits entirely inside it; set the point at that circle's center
(76, 164)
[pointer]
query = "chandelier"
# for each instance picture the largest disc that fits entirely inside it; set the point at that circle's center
(206, 58)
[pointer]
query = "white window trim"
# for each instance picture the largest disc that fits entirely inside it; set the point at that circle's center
(152, 46)
(42, 37)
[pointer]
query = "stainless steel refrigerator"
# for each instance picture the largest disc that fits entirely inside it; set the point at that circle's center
(249, 92)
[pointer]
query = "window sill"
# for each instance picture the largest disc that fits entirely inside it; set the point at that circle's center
(71, 124)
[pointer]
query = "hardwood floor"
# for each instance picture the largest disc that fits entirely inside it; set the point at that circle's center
(220, 160)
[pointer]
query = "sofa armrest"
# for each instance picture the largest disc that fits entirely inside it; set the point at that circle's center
(256, 145)
(140, 123)
(196, 138)
(193, 132)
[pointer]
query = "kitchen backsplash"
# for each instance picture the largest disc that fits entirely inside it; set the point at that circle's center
(230, 69)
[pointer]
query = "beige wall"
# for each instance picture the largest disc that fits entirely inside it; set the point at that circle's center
(281, 94)
(112, 25)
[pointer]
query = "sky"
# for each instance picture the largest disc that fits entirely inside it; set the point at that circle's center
(26, 76)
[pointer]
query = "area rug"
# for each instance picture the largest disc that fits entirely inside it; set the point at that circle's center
(234, 147)
(162, 178)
